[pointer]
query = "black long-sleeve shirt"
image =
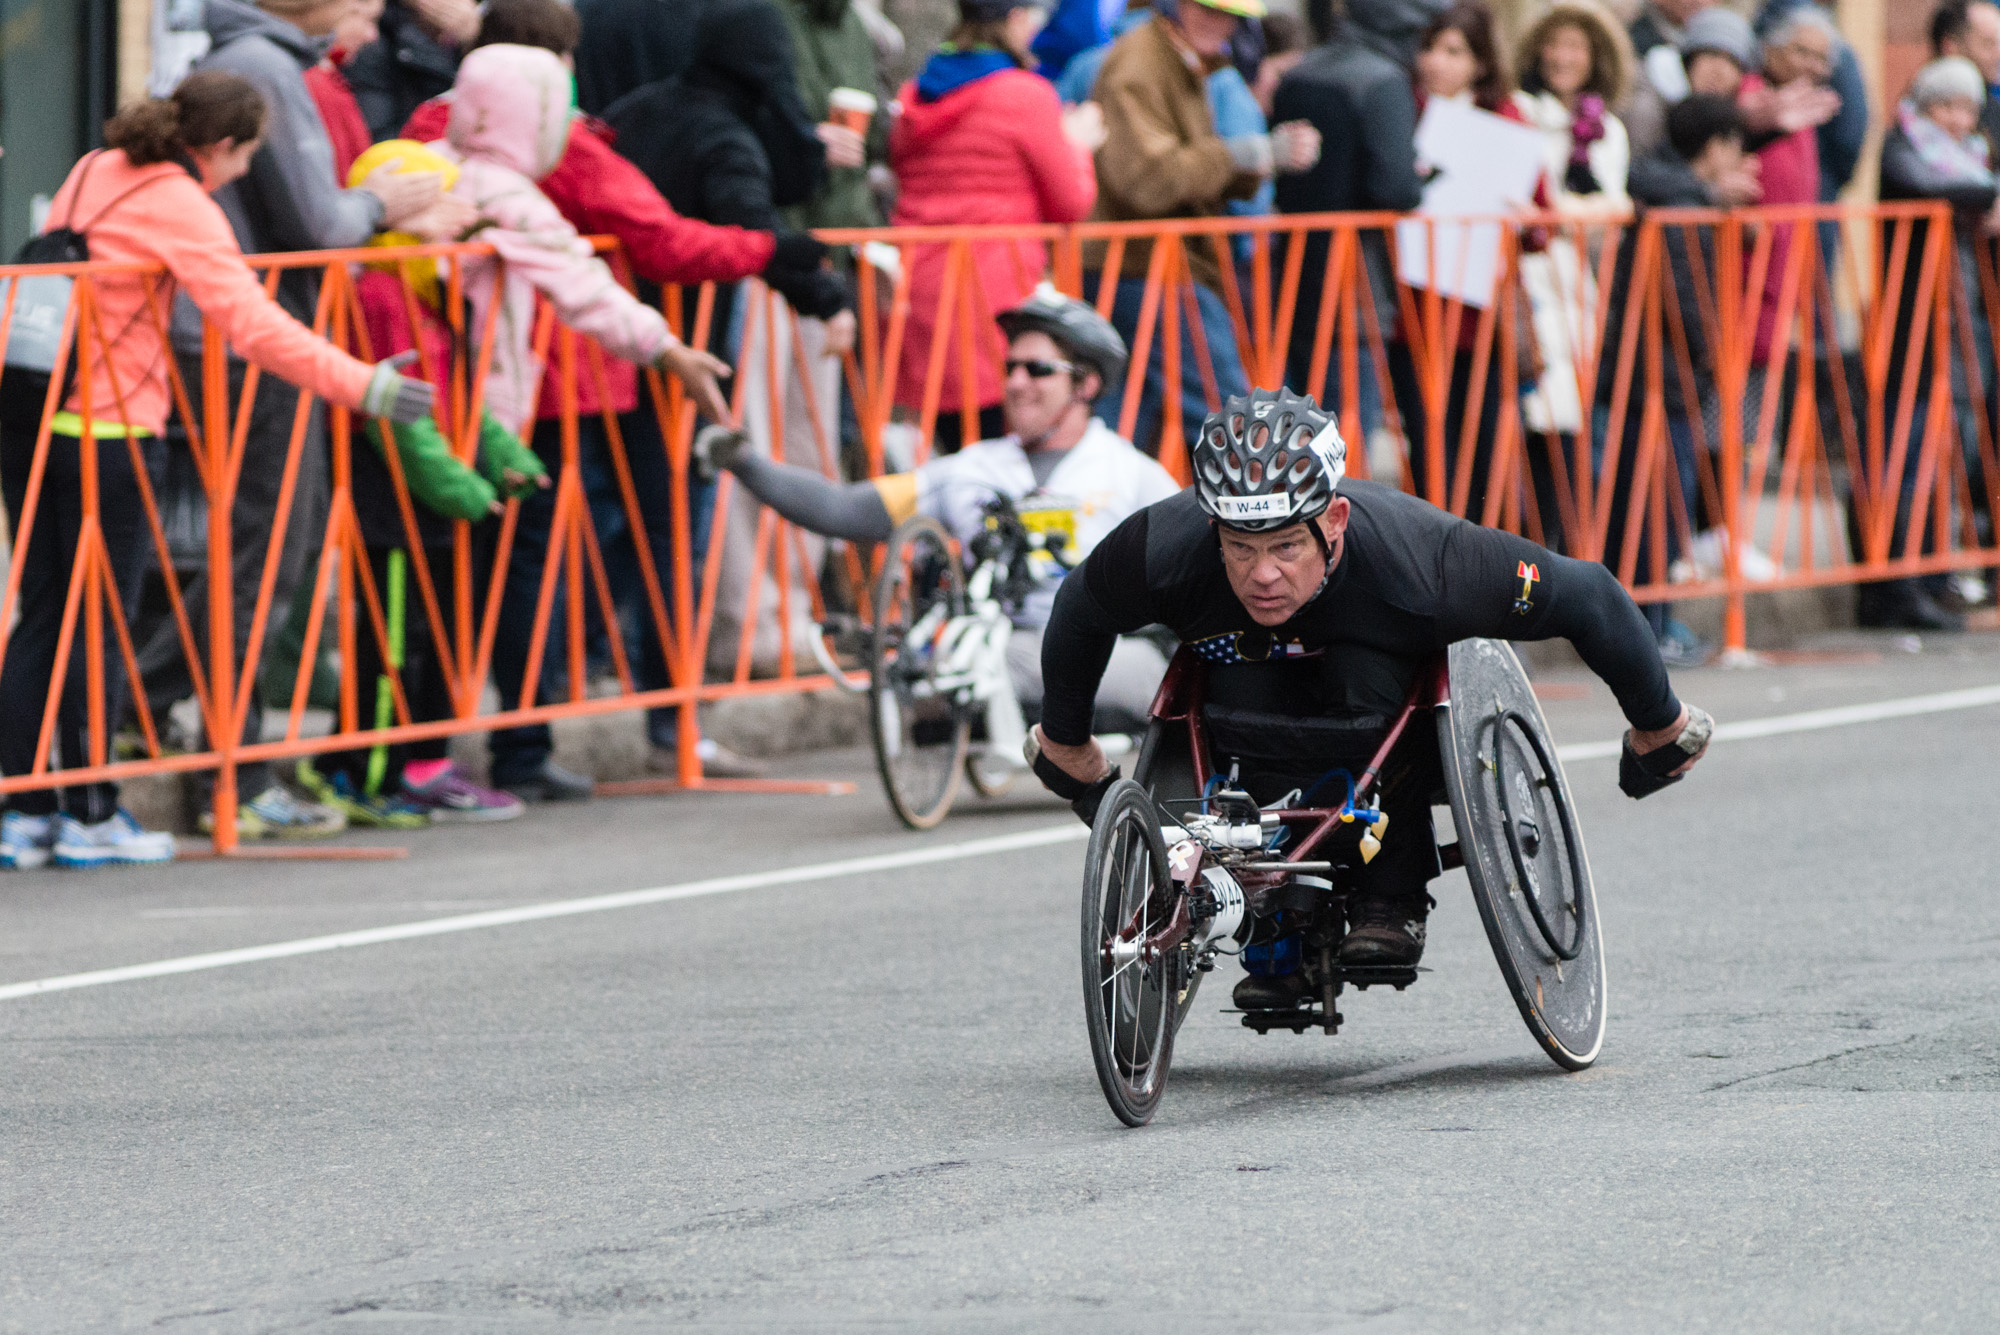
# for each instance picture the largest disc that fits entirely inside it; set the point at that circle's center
(1411, 580)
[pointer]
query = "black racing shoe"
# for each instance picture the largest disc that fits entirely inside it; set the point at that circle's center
(1386, 932)
(547, 782)
(1282, 993)
(1902, 604)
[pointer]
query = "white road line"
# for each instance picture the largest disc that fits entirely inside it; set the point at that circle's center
(1812, 720)
(1067, 832)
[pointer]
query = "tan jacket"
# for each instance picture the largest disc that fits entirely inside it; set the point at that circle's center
(1161, 157)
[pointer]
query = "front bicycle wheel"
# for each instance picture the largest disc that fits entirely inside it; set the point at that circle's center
(920, 725)
(1129, 1000)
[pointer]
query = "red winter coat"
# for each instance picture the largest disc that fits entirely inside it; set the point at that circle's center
(990, 151)
(601, 194)
(346, 128)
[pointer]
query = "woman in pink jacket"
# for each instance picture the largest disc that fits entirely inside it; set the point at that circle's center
(983, 140)
(142, 201)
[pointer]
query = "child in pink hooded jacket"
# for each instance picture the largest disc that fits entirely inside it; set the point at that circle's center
(510, 114)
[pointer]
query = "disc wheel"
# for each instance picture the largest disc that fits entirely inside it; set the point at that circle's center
(1130, 1003)
(920, 729)
(1523, 851)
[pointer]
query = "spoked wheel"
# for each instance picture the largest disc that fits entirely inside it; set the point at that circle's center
(920, 728)
(990, 775)
(1129, 1000)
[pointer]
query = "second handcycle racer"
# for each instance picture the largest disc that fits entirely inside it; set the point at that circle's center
(1071, 479)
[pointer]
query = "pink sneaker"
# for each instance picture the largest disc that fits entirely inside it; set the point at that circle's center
(450, 796)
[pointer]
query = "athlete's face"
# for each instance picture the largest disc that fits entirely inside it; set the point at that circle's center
(1036, 404)
(1275, 574)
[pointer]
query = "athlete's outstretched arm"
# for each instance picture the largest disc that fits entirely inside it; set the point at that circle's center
(1107, 596)
(1505, 587)
(854, 511)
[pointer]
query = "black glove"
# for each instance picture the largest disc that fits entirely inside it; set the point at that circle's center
(1083, 798)
(1644, 775)
(797, 251)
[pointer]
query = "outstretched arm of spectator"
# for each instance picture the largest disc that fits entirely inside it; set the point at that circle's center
(606, 195)
(1146, 163)
(201, 254)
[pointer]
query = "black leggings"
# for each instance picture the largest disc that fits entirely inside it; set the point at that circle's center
(46, 572)
(425, 687)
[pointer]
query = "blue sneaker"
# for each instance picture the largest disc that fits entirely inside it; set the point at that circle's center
(119, 841)
(25, 840)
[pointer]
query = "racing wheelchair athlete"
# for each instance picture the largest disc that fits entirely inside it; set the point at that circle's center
(1060, 479)
(1316, 611)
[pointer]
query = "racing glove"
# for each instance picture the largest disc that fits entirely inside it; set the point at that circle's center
(1643, 775)
(1083, 798)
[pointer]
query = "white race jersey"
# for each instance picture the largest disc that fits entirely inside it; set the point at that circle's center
(1095, 486)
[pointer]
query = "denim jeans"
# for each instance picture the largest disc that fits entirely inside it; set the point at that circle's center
(519, 752)
(1680, 434)
(1217, 330)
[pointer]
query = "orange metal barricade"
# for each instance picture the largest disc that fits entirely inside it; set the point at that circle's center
(1833, 400)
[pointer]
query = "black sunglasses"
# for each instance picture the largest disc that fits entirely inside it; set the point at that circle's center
(1038, 369)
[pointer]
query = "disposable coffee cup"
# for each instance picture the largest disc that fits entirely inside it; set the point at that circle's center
(851, 109)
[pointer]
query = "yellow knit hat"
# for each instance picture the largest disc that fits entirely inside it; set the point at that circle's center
(408, 156)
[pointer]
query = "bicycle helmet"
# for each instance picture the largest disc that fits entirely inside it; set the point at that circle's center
(1268, 459)
(1075, 325)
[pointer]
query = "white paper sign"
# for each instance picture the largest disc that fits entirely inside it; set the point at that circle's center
(1483, 165)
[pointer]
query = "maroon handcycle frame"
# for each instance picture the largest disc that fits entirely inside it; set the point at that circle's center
(1179, 700)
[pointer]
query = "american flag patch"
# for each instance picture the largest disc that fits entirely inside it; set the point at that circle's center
(1249, 647)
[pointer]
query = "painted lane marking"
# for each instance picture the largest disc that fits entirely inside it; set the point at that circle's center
(1067, 832)
(1813, 720)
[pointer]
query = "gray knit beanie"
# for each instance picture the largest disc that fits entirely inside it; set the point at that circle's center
(1720, 30)
(1945, 79)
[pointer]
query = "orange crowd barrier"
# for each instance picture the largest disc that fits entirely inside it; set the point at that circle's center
(1714, 404)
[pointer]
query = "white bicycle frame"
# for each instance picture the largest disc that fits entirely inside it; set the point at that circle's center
(971, 650)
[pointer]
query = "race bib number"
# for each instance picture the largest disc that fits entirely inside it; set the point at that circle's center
(1054, 518)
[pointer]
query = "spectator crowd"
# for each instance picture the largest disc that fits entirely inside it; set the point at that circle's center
(712, 138)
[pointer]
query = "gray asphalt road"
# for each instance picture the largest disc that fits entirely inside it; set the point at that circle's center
(866, 1103)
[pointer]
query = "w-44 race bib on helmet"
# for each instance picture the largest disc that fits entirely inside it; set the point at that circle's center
(1267, 460)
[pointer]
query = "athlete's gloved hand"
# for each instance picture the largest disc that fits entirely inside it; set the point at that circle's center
(1643, 773)
(1083, 797)
(719, 449)
(393, 395)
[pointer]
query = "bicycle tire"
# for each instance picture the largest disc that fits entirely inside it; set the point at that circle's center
(1130, 1007)
(920, 737)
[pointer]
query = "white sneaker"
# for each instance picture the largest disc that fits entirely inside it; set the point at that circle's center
(113, 842)
(1706, 552)
(25, 840)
